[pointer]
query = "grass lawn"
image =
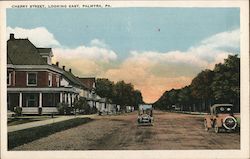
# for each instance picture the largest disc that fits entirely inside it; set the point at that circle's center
(21, 137)
(22, 120)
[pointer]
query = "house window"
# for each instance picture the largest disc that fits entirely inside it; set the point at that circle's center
(50, 79)
(8, 78)
(32, 79)
(57, 81)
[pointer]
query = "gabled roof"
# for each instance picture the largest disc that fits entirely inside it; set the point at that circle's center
(71, 77)
(23, 52)
(9, 60)
(87, 82)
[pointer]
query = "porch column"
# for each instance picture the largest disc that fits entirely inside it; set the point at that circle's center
(65, 97)
(73, 98)
(61, 97)
(14, 78)
(40, 100)
(69, 101)
(20, 99)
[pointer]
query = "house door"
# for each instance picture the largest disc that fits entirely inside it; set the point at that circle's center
(32, 100)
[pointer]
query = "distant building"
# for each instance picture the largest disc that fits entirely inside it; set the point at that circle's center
(34, 83)
(91, 96)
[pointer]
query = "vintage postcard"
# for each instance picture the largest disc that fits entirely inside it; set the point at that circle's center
(127, 79)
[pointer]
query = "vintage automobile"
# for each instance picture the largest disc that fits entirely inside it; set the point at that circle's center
(221, 118)
(145, 114)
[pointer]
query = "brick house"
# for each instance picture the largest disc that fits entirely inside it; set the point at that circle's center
(34, 83)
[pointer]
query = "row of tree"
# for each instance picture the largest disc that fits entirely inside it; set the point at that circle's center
(120, 93)
(220, 85)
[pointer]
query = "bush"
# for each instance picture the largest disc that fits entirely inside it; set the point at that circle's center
(18, 111)
(82, 106)
(63, 109)
(21, 137)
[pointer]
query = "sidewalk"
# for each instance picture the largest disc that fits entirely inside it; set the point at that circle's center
(44, 122)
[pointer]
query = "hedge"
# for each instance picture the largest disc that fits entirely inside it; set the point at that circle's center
(21, 137)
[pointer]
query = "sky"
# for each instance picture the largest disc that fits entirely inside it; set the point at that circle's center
(156, 49)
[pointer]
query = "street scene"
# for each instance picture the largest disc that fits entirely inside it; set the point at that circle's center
(171, 131)
(123, 79)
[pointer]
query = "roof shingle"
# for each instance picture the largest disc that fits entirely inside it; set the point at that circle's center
(23, 52)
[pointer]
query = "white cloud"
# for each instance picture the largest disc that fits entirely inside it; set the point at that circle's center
(98, 43)
(84, 60)
(39, 36)
(84, 52)
(229, 39)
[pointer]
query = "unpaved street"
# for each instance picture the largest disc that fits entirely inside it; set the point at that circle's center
(171, 131)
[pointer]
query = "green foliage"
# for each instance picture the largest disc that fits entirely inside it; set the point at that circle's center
(63, 108)
(201, 85)
(226, 84)
(81, 105)
(105, 88)
(119, 93)
(18, 111)
(123, 94)
(136, 98)
(221, 85)
(21, 137)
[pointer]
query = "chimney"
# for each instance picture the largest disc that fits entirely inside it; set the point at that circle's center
(57, 64)
(63, 67)
(70, 70)
(12, 36)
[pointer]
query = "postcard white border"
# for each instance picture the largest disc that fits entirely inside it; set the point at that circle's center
(147, 154)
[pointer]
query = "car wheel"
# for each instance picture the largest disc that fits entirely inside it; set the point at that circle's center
(216, 128)
(205, 125)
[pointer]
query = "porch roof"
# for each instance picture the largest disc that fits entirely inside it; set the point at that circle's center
(54, 89)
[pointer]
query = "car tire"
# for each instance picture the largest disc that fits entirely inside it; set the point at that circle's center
(205, 125)
(216, 128)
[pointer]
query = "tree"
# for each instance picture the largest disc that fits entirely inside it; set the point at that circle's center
(105, 88)
(173, 96)
(185, 98)
(123, 93)
(226, 81)
(63, 108)
(119, 93)
(201, 89)
(136, 98)
(221, 85)
(82, 106)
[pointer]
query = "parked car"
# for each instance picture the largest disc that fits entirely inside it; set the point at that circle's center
(221, 117)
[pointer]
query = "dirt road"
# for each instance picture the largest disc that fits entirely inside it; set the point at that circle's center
(170, 131)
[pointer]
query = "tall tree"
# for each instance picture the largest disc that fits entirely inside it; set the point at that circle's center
(185, 98)
(136, 98)
(105, 88)
(123, 93)
(226, 82)
(201, 89)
